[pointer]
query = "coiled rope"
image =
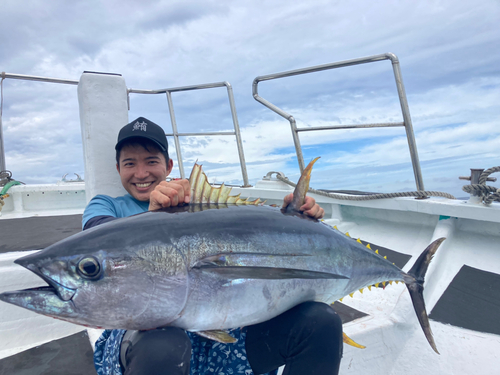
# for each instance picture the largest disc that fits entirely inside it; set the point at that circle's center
(487, 193)
(418, 194)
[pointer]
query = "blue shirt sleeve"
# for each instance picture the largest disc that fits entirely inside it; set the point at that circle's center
(100, 205)
(103, 205)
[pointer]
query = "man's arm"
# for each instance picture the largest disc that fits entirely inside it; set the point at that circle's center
(97, 220)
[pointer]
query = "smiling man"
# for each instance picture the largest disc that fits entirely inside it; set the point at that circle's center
(143, 163)
(307, 339)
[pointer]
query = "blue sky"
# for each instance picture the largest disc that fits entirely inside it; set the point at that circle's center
(450, 61)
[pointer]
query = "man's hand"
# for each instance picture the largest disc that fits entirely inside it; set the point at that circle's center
(310, 207)
(167, 194)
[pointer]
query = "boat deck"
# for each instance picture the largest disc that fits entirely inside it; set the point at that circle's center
(461, 289)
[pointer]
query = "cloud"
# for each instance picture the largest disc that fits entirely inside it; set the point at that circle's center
(446, 49)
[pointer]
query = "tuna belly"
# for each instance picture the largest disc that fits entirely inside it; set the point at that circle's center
(219, 303)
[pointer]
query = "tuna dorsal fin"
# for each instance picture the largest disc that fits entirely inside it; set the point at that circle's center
(203, 192)
(299, 194)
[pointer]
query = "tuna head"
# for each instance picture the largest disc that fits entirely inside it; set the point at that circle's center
(120, 285)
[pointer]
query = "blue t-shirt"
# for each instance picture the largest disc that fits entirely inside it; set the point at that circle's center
(104, 205)
(207, 357)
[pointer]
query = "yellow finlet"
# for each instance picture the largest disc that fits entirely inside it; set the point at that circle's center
(218, 335)
(351, 294)
(390, 282)
(376, 251)
(383, 283)
(347, 340)
(376, 285)
(370, 288)
(347, 234)
(335, 227)
(361, 290)
(340, 300)
(385, 256)
(368, 246)
(358, 240)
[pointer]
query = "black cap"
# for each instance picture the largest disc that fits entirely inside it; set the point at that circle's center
(143, 128)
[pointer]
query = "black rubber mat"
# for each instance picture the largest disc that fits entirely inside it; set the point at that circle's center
(472, 301)
(71, 355)
(399, 259)
(33, 233)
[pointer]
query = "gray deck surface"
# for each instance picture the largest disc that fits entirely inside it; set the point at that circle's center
(33, 233)
(70, 355)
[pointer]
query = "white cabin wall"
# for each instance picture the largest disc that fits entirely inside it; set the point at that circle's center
(103, 112)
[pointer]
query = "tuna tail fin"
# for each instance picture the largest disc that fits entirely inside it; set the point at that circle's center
(299, 194)
(415, 283)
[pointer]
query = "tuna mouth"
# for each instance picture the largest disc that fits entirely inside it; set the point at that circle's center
(63, 292)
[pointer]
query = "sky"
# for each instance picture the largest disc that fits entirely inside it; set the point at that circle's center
(449, 53)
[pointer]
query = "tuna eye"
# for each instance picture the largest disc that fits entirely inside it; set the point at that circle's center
(89, 267)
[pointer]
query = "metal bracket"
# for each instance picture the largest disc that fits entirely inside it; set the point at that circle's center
(78, 179)
(270, 175)
(5, 176)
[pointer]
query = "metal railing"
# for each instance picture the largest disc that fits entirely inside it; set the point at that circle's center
(3, 76)
(176, 134)
(402, 99)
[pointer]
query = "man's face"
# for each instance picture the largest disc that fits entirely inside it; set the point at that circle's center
(142, 170)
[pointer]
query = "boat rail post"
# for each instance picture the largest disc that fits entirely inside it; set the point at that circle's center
(237, 134)
(405, 109)
(175, 133)
(103, 106)
(2, 150)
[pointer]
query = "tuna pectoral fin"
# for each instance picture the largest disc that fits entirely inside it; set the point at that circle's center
(219, 336)
(270, 273)
(415, 283)
(347, 340)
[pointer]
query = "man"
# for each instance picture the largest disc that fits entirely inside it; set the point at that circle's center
(307, 338)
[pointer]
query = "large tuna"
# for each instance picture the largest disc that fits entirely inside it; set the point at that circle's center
(206, 267)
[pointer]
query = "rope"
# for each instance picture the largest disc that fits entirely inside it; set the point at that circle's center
(8, 185)
(418, 194)
(487, 193)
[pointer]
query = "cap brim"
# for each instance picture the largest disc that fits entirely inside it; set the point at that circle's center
(160, 146)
